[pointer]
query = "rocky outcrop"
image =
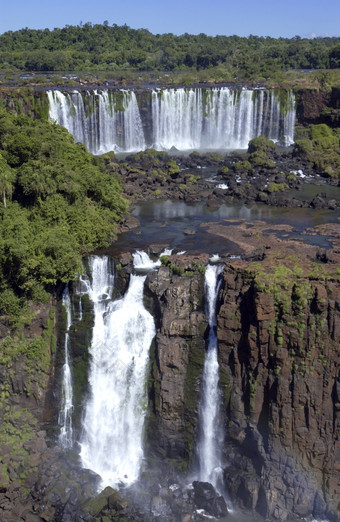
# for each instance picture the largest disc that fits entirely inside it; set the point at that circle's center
(25, 356)
(178, 357)
(318, 106)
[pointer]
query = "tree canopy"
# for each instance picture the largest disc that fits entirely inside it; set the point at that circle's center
(107, 48)
(57, 203)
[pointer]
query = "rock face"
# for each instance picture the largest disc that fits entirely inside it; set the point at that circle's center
(177, 363)
(279, 355)
(279, 364)
(316, 106)
(278, 332)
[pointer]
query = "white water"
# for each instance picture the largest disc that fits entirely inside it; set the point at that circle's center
(185, 118)
(143, 263)
(65, 415)
(219, 118)
(103, 121)
(211, 430)
(114, 416)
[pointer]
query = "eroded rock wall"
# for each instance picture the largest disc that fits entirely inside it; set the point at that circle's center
(279, 372)
(178, 357)
(279, 356)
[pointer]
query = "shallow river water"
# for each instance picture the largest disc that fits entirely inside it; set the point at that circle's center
(179, 225)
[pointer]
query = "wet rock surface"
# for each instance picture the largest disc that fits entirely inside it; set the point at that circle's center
(278, 351)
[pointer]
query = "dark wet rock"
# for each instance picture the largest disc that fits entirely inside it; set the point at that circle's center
(333, 204)
(295, 203)
(206, 497)
(257, 255)
(157, 248)
(249, 177)
(280, 442)
(125, 259)
(130, 223)
(319, 202)
(179, 345)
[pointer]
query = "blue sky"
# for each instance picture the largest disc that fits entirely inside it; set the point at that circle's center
(275, 18)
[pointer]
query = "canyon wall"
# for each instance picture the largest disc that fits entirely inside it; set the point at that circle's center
(278, 332)
(279, 372)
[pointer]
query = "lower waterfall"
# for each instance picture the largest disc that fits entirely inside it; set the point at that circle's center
(66, 409)
(111, 443)
(211, 430)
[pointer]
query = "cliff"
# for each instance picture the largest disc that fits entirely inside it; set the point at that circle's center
(278, 331)
(318, 106)
(279, 355)
(177, 364)
(278, 328)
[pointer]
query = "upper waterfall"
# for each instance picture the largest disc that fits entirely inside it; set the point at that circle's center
(103, 121)
(219, 118)
(184, 118)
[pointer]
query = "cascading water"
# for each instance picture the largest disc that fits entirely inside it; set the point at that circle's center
(211, 430)
(65, 415)
(185, 118)
(103, 121)
(114, 415)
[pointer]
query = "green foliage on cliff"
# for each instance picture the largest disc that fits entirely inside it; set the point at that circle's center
(58, 202)
(110, 48)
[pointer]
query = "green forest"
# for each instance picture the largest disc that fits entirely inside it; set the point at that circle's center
(58, 202)
(101, 47)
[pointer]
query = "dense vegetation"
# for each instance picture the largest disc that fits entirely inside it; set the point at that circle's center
(321, 146)
(108, 48)
(58, 202)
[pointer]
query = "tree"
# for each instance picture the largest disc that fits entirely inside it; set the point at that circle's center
(59, 203)
(7, 178)
(334, 57)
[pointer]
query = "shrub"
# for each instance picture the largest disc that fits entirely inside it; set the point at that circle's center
(261, 143)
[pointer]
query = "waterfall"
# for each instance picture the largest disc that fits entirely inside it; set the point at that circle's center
(111, 444)
(103, 121)
(289, 120)
(177, 118)
(65, 415)
(185, 118)
(211, 431)
(219, 118)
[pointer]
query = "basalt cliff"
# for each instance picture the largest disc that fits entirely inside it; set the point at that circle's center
(278, 329)
(279, 357)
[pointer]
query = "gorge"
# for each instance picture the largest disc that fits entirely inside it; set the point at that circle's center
(154, 405)
(278, 335)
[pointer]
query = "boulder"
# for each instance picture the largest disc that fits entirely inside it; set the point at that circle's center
(206, 497)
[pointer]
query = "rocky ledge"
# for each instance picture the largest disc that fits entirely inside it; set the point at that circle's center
(265, 174)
